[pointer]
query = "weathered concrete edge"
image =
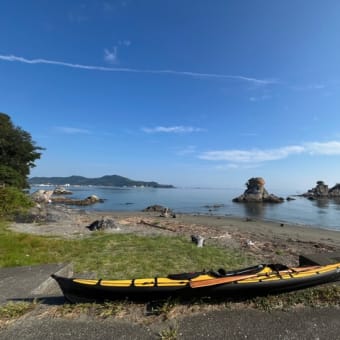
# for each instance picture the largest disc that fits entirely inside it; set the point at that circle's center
(50, 285)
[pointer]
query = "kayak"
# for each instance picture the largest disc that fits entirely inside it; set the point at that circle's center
(258, 280)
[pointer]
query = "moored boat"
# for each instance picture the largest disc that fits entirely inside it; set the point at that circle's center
(252, 281)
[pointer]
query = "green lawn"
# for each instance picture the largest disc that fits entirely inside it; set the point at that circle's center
(116, 256)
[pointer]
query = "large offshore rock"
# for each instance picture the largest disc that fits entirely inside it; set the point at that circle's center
(335, 191)
(321, 190)
(256, 192)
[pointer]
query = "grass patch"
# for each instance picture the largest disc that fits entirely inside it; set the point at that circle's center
(170, 309)
(101, 311)
(170, 333)
(14, 310)
(136, 256)
(321, 296)
(115, 255)
(18, 249)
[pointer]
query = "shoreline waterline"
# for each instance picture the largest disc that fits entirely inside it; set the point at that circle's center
(324, 214)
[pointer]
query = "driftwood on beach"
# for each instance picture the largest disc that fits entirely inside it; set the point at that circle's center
(154, 225)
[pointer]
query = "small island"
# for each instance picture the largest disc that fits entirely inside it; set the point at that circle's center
(107, 180)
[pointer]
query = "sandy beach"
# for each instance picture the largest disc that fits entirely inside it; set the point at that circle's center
(264, 241)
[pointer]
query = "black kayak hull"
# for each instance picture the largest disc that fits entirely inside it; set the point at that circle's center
(75, 290)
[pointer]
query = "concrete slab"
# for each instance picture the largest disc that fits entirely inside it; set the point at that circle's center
(298, 324)
(31, 281)
(321, 259)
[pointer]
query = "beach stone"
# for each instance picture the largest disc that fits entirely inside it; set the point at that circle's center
(164, 211)
(256, 192)
(154, 208)
(103, 224)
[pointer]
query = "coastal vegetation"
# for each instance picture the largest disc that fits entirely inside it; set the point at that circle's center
(115, 256)
(13, 201)
(18, 152)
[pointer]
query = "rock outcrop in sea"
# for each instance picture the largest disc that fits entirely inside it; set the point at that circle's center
(256, 192)
(46, 196)
(42, 196)
(70, 201)
(60, 190)
(321, 190)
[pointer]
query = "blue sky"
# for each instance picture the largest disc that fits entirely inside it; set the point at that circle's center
(190, 93)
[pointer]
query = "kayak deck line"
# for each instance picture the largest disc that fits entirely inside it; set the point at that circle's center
(265, 275)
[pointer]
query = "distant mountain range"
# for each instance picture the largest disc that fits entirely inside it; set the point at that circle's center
(108, 180)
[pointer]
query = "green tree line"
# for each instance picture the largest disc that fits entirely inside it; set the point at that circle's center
(18, 152)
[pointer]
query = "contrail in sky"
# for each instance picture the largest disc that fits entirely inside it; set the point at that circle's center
(14, 58)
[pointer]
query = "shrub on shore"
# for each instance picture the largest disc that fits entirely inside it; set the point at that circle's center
(13, 201)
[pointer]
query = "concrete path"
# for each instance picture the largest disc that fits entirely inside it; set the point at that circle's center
(28, 282)
(17, 283)
(311, 324)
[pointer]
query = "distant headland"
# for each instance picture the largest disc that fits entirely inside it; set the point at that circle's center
(107, 180)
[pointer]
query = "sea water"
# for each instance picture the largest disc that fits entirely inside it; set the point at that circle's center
(318, 213)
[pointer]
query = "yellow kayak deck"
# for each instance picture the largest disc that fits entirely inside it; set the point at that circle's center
(267, 274)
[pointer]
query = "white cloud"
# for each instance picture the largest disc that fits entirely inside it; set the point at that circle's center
(111, 56)
(72, 130)
(265, 155)
(235, 166)
(172, 129)
(309, 87)
(326, 148)
(254, 81)
(249, 156)
(228, 166)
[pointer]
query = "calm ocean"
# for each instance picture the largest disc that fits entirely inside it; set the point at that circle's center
(322, 213)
